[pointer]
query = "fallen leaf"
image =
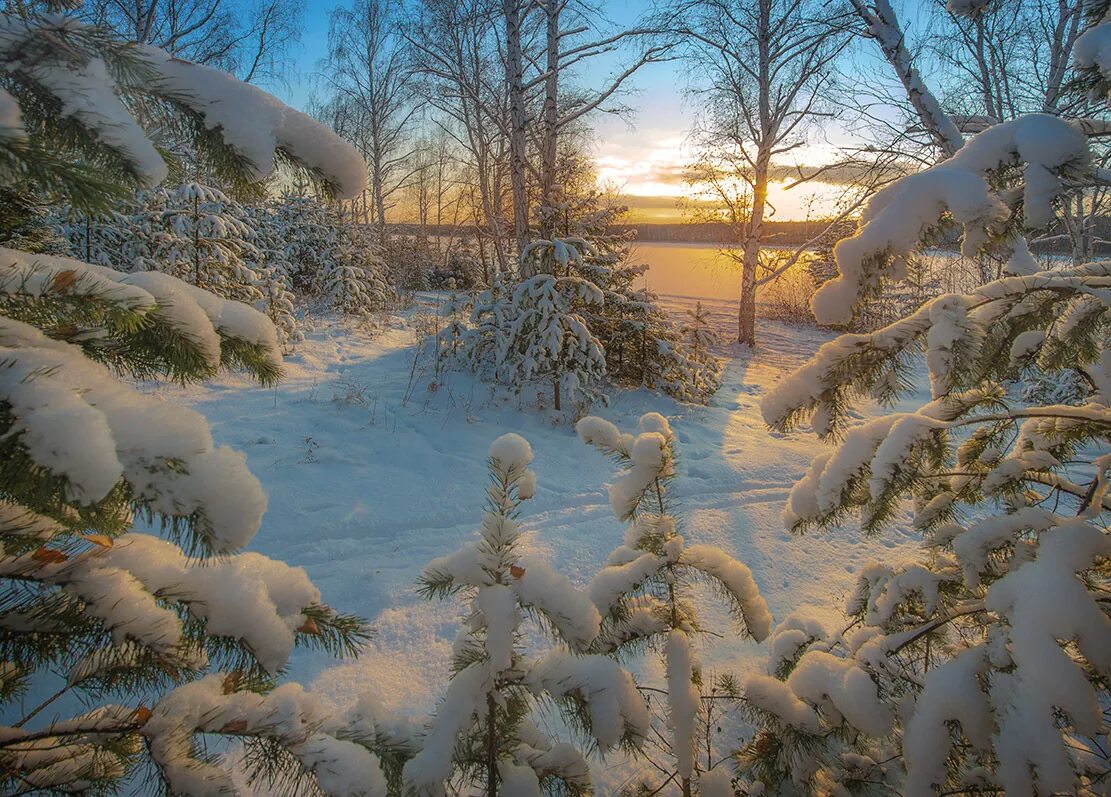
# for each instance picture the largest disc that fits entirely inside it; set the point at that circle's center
(98, 539)
(516, 571)
(235, 726)
(63, 280)
(141, 715)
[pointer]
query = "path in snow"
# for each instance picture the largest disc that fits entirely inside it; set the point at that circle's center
(370, 475)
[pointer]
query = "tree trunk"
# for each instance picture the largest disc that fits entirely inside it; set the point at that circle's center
(491, 748)
(551, 122)
(884, 27)
(555, 393)
(750, 263)
(197, 242)
(514, 77)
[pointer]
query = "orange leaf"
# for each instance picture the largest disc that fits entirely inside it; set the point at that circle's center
(310, 627)
(141, 715)
(235, 726)
(516, 571)
(231, 681)
(48, 555)
(97, 539)
(63, 280)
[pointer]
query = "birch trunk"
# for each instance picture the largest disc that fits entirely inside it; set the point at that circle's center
(514, 77)
(551, 121)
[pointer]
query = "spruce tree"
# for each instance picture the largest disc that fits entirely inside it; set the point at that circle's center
(983, 666)
(484, 734)
(132, 646)
(200, 235)
(643, 592)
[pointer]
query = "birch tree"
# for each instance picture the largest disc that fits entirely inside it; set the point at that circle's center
(768, 64)
(461, 78)
(369, 72)
(571, 44)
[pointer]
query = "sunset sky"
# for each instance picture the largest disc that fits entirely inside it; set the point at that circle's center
(645, 154)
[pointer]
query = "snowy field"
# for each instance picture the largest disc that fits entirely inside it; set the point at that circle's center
(371, 474)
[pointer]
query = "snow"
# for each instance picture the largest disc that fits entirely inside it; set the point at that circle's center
(395, 481)
(898, 216)
(951, 694)
(77, 418)
(256, 124)
(570, 611)
(683, 700)
(288, 714)
(839, 687)
(512, 451)
(775, 697)
(1092, 49)
(614, 706)
(1051, 683)
(737, 579)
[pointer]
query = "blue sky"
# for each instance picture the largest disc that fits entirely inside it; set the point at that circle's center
(635, 152)
(656, 90)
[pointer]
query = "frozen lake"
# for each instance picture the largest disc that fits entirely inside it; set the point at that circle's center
(698, 271)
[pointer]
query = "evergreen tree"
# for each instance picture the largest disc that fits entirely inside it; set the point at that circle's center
(135, 646)
(197, 234)
(483, 735)
(642, 592)
(483, 344)
(352, 280)
(310, 234)
(982, 667)
(642, 345)
(272, 269)
(550, 341)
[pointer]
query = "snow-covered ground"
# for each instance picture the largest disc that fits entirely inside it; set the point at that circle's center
(371, 473)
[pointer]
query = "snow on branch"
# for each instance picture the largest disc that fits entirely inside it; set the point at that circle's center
(898, 217)
(256, 125)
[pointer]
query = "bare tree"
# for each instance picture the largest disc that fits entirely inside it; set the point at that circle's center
(768, 64)
(513, 16)
(882, 25)
(571, 43)
(458, 56)
(249, 38)
(373, 95)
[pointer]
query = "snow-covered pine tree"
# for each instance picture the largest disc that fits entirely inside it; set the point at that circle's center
(700, 374)
(98, 621)
(548, 338)
(984, 666)
(484, 735)
(310, 232)
(198, 234)
(483, 344)
(272, 268)
(641, 344)
(454, 330)
(643, 591)
(352, 281)
(103, 239)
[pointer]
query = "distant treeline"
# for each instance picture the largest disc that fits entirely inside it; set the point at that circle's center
(786, 233)
(777, 232)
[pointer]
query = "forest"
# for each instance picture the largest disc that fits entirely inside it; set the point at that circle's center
(348, 446)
